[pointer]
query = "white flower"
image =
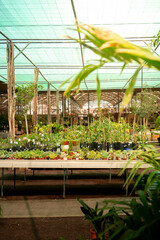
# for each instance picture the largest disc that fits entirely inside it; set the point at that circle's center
(11, 141)
(42, 135)
(15, 142)
(24, 138)
(29, 140)
(19, 139)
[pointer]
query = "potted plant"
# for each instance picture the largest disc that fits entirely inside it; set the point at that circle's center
(98, 155)
(111, 154)
(53, 155)
(118, 154)
(3, 154)
(104, 155)
(97, 217)
(91, 154)
(81, 154)
(124, 155)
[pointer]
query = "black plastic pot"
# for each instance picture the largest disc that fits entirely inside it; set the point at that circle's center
(93, 146)
(158, 139)
(101, 146)
(83, 144)
(125, 145)
(104, 145)
(109, 146)
(118, 146)
(134, 146)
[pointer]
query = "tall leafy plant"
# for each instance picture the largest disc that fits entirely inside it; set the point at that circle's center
(24, 95)
(141, 218)
(110, 47)
(151, 157)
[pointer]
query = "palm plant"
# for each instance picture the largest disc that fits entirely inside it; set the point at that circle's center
(111, 47)
(151, 157)
(141, 218)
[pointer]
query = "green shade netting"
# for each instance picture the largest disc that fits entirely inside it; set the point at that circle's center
(45, 23)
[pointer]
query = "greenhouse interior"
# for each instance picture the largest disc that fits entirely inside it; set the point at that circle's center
(79, 119)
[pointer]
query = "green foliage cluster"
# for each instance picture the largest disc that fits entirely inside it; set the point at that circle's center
(52, 135)
(24, 95)
(110, 47)
(141, 218)
(145, 103)
(141, 215)
(157, 122)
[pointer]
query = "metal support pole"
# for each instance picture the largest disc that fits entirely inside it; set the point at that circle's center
(64, 185)
(2, 182)
(142, 80)
(21, 50)
(67, 174)
(110, 175)
(25, 174)
(14, 178)
(126, 171)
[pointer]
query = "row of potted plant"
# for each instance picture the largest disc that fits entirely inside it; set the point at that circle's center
(98, 136)
(70, 155)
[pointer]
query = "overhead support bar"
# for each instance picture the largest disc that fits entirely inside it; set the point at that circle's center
(3, 77)
(65, 40)
(21, 51)
(25, 56)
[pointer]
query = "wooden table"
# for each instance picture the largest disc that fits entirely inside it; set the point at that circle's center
(64, 164)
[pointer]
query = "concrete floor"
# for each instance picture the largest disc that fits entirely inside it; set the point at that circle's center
(47, 208)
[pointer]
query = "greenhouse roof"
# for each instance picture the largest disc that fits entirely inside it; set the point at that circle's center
(38, 28)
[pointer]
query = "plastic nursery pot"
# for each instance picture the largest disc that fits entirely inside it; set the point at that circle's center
(109, 146)
(93, 234)
(65, 143)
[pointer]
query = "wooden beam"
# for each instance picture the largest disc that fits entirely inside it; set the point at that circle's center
(49, 103)
(35, 98)
(57, 106)
(11, 88)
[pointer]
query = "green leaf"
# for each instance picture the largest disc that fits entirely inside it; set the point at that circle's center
(65, 82)
(147, 56)
(82, 75)
(129, 92)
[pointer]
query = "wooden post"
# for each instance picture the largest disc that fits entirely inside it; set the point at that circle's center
(68, 110)
(35, 98)
(11, 88)
(57, 106)
(63, 109)
(88, 109)
(49, 103)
